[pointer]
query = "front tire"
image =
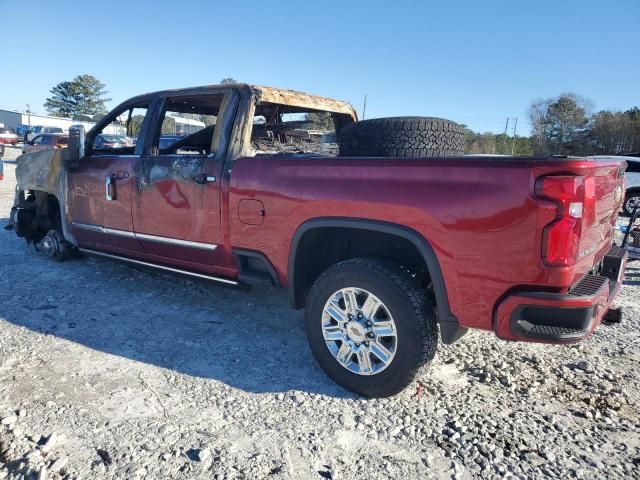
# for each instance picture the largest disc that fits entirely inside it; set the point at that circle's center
(371, 326)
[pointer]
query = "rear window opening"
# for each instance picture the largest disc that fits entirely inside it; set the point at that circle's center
(188, 125)
(279, 129)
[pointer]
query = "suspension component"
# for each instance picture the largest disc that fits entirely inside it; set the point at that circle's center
(54, 245)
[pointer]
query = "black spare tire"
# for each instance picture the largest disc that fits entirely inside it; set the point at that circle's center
(402, 137)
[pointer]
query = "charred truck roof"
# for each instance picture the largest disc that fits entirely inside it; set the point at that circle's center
(291, 98)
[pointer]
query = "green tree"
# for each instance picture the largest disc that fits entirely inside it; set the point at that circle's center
(613, 133)
(84, 95)
(634, 118)
(135, 125)
(497, 144)
(565, 124)
(537, 115)
(320, 121)
(560, 124)
(228, 80)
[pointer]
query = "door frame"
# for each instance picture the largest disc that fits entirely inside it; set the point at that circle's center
(214, 251)
(96, 233)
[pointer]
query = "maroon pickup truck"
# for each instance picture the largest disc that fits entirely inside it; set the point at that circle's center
(381, 229)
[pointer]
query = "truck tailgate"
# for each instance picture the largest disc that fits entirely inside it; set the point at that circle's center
(604, 188)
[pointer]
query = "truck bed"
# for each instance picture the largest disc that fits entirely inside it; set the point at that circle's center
(480, 214)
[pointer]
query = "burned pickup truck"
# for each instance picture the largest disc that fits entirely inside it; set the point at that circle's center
(387, 235)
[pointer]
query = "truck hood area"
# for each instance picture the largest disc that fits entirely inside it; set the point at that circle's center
(41, 170)
(44, 171)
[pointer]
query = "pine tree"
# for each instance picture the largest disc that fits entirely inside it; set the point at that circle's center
(84, 95)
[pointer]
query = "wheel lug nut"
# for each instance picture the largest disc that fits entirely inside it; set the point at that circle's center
(370, 335)
(360, 315)
(366, 344)
(369, 323)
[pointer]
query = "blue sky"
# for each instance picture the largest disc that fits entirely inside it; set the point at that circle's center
(475, 62)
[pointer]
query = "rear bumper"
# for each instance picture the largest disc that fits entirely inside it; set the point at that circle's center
(562, 318)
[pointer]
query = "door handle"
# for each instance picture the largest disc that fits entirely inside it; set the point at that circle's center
(203, 178)
(108, 186)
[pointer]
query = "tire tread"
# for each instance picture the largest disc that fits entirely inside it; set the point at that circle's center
(419, 302)
(411, 137)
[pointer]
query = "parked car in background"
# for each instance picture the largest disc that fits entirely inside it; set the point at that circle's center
(46, 141)
(1, 163)
(39, 129)
(166, 141)
(22, 131)
(8, 136)
(106, 140)
(632, 176)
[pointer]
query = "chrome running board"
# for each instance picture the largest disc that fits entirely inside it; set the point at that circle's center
(161, 267)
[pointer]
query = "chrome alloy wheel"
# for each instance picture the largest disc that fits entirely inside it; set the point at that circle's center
(631, 203)
(359, 331)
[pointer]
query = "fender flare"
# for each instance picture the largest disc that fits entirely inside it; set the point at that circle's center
(450, 328)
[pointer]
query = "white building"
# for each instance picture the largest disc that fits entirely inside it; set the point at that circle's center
(186, 126)
(13, 119)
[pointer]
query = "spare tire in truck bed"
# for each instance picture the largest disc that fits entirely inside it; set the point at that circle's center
(402, 137)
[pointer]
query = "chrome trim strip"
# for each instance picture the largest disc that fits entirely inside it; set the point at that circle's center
(159, 267)
(119, 233)
(176, 241)
(145, 236)
(108, 231)
(86, 226)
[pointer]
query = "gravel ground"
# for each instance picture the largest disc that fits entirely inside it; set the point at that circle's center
(111, 372)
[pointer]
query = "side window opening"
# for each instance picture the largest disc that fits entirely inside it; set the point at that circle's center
(188, 125)
(121, 134)
(279, 129)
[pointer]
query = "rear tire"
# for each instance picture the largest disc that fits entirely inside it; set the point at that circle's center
(403, 301)
(412, 137)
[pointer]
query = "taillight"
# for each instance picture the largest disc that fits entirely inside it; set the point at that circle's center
(561, 238)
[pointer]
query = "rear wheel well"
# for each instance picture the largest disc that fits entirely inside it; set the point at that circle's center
(322, 242)
(319, 248)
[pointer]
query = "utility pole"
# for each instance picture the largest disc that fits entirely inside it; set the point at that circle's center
(364, 107)
(513, 144)
(506, 126)
(29, 114)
